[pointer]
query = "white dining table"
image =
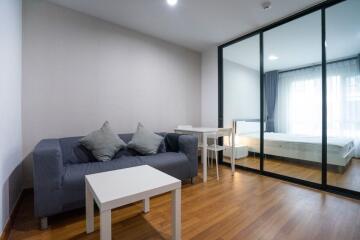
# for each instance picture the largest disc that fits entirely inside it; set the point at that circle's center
(205, 132)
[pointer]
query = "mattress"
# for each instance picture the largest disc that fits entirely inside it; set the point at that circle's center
(300, 146)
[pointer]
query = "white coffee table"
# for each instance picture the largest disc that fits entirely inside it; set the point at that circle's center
(124, 186)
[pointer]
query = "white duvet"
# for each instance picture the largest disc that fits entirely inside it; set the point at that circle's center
(334, 143)
(341, 142)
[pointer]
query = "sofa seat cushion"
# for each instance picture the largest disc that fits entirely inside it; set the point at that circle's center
(74, 176)
(174, 164)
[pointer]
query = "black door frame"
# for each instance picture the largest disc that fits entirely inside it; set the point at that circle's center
(323, 185)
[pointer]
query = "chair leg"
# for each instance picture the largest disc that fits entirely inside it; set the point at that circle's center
(217, 166)
(232, 161)
(44, 223)
(208, 158)
(212, 159)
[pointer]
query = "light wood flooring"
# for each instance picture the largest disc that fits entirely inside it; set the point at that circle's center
(243, 206)
(349, 179)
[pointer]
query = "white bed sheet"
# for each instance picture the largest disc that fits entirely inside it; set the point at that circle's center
(300, 147)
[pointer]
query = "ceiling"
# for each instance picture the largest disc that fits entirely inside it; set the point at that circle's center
(195, 24)
(298, 43)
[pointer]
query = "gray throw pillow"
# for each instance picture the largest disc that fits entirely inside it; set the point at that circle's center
(145, 141)
(103, 143)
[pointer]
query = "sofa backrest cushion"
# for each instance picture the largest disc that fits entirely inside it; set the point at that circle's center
(74, 153)
(172, 142)
(83, 155)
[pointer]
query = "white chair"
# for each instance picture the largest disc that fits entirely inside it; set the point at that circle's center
(226, 134)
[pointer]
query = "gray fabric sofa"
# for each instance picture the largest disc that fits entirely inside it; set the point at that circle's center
(60, 166)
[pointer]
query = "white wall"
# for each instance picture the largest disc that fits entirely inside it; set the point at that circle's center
(80, 71)
(10, 107)
(241, 88)
(209, 88)
(241, 92)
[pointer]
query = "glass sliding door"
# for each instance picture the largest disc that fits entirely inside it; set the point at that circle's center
(241, 99)
(343, 94)
(274, 79)
(293, 99)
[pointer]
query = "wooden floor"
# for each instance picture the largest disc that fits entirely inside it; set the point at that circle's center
(349, 179)
(246, 206)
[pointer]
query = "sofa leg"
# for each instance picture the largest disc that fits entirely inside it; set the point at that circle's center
(44, 223)
(192, 180)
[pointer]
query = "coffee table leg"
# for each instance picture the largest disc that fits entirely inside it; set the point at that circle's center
(89, 209)
(176, 214)
(105, 225)
(146, 203)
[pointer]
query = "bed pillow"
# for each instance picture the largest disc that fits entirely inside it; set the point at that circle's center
(103, 143)
(144, 141)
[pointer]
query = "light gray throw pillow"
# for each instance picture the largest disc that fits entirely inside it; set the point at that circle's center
(144, 141)
(103, 143)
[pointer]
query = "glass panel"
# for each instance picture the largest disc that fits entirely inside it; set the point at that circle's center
(343, 94)
(292, 99)
(241, 68)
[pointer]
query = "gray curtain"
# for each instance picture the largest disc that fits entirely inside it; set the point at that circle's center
(270, 85)
(359, 60)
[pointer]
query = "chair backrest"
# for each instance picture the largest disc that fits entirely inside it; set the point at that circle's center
(224, 132)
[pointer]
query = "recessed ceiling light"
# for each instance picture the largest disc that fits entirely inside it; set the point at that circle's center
(273, 57)
(172, 2)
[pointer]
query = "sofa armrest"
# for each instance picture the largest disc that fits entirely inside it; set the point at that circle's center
(48, 171)
(189, 146)
(48, 165)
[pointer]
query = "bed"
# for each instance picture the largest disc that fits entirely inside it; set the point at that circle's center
(297, 147)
